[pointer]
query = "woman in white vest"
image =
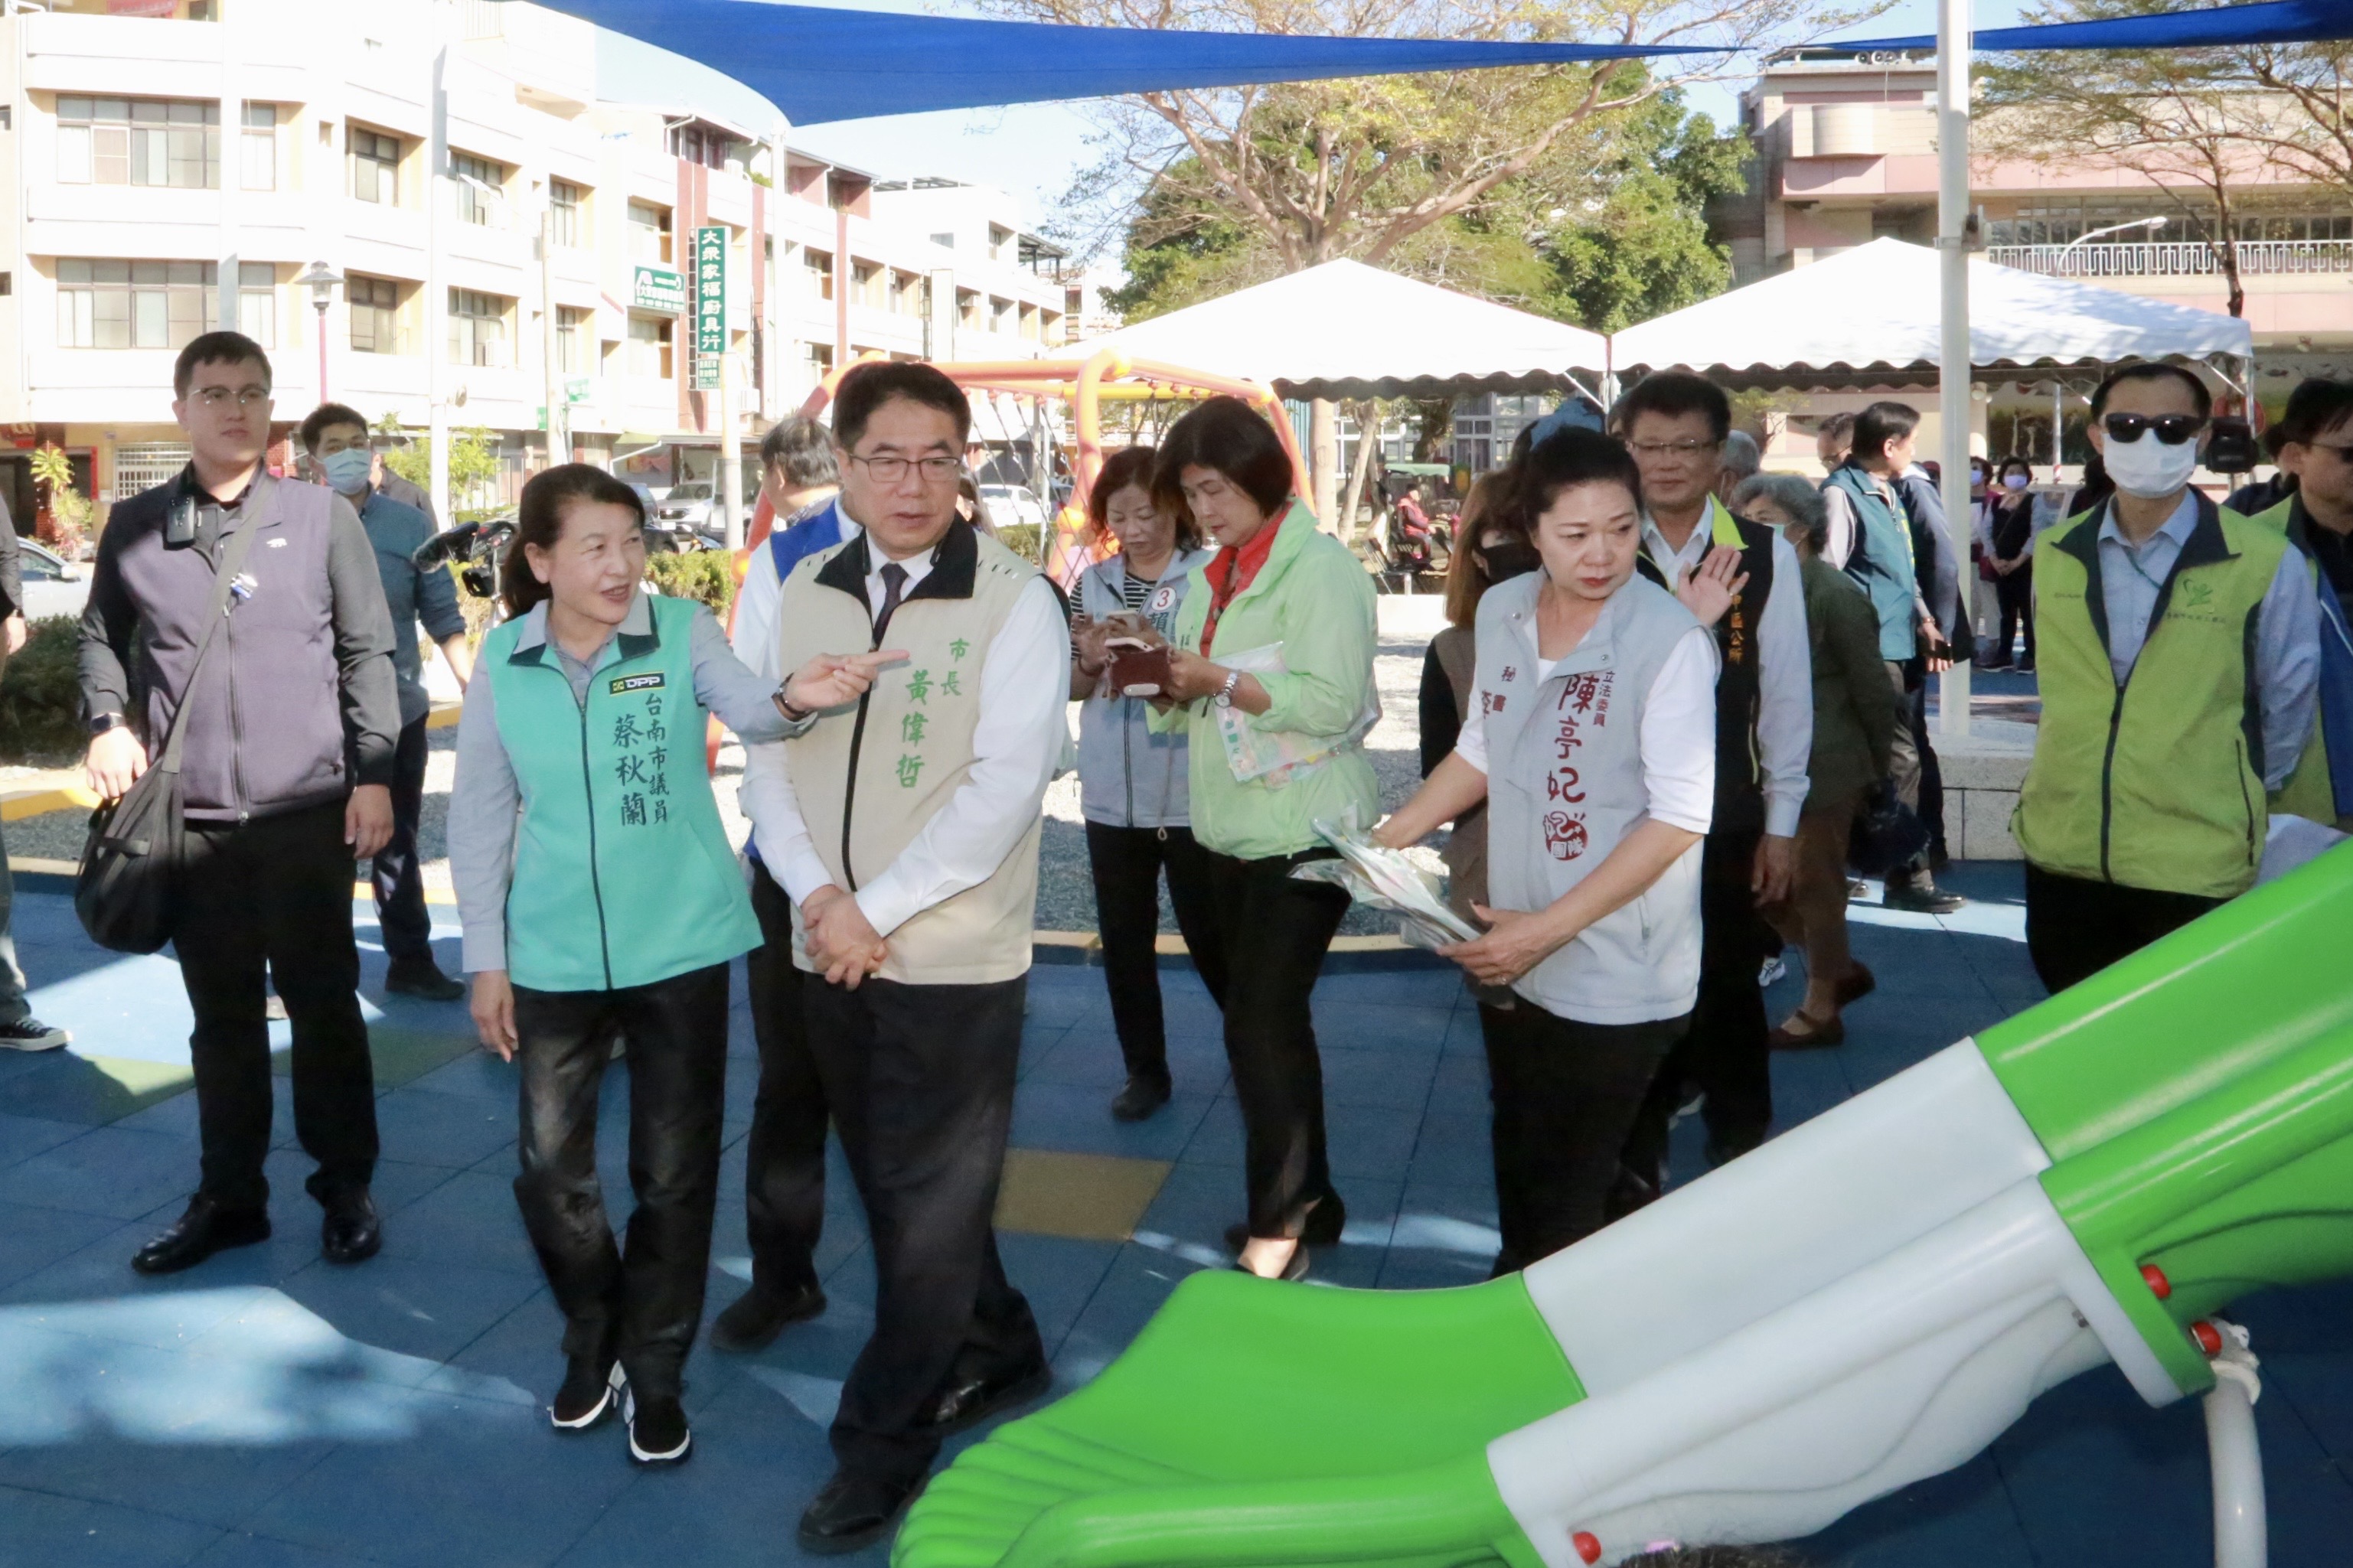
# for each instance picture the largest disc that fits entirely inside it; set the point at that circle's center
(1593, 744)
(1131, 781)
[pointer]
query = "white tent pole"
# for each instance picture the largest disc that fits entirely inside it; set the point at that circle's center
(1953, 358)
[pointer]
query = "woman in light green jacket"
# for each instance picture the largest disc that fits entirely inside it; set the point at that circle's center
(1273, 682)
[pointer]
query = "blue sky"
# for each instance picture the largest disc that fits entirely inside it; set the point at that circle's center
(1031, 149)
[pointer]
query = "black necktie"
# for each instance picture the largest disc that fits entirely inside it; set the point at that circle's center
(894, 583)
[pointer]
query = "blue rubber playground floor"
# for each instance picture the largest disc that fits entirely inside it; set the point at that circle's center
(269, 1409)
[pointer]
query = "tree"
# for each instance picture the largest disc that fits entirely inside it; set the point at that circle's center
(1254, 182)
(69, 511)
(473, 456)
(2209, 129)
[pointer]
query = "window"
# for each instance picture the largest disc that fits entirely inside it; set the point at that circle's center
(375, 315)
(649, 233)
(1000, 315)
(260, 147)
(478, 329)
(968, 307)
(821, 272)
(479, 188)
(865, 282)
(572, 345)
(143, 465)
(375, 166)
(257, 302)
(944, 241)
(133, 304)
(565, 201)
(698, 144)
(649, 346)
(996, 238)
(1030, 324)
(138, 142)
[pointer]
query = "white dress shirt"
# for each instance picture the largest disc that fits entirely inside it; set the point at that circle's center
(755, 639)
(1025, 685)
(1785, 671)
(1677, 741)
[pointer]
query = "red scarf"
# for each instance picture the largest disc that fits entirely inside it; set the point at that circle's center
(1230, 570)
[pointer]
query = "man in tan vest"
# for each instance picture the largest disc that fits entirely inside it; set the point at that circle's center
(905, 828)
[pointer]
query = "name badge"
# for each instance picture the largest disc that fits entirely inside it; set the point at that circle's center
(623, 685)
(1164, 599)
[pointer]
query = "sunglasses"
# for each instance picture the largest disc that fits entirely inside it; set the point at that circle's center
(2172, 429)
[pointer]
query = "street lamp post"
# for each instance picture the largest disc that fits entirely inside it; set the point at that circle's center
(2059, 269)
(322, 279)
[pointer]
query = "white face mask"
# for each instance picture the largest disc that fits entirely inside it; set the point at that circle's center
(2015, 482)
(2148, 468)
(347, 470)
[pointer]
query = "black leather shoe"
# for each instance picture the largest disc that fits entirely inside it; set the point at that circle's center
(966, 1403)
(1920, 895)
(351, 1232)
(196, 1234)
(423, 979)
(1140, 1099)
(759, 1315)
(854, 1512)
(1325, 1223)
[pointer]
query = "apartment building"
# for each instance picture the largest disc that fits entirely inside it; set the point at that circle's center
(493, 234)
(1845, 154)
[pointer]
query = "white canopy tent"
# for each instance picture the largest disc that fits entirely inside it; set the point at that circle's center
(1872, 316)
(1347, 329)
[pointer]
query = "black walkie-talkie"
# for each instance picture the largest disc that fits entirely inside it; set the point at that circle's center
(180, 530)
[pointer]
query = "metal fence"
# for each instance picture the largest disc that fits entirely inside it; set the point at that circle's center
(2257, 258)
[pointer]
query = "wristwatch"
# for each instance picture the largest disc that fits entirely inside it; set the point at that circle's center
(784, 704)
(100, 724)
(1225, 697)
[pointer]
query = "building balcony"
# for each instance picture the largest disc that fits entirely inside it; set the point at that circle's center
(2257, 258)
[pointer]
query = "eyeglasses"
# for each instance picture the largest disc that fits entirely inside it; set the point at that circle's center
(2342, 454)
(1682, 451)
(889, 470)
(217, 398)
(2172, 429)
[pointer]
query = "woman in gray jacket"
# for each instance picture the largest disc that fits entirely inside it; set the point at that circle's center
(1131, 781)
(1593, 744)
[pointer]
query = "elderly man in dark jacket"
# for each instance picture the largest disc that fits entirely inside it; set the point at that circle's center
(286, 781)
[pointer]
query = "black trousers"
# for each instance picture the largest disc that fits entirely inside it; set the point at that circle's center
(1127, 863)
(2076, 927)
(267, 898)
(641, 1303)
(1724, 1053)
(921, 1081)
(1276, 932)
(2014, 596)
(1565, 1095)
(783, 1175)
(399, 876)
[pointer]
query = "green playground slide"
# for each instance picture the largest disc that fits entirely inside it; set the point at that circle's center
(2193, 1109)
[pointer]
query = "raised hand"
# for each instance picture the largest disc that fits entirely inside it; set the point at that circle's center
(834, 679)
(1708, 588)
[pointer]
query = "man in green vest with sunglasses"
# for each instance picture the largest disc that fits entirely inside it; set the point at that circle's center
(2178, 650)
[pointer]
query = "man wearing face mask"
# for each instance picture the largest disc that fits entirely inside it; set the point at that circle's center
(2178, 655)
(335, 438)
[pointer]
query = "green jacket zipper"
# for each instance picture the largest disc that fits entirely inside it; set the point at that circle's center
(589, 789)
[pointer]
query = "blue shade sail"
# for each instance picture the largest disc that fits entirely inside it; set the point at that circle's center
(2275, 22)
(819, 65)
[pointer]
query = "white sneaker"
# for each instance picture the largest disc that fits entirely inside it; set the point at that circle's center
(1773, 970)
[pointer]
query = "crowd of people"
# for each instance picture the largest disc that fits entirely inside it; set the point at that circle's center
(1672, 688)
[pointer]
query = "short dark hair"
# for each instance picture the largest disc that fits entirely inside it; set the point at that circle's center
(1229, 436)
(315, 423)
(867, 388)
(218, 348)
(803, 449)
(2014, 461)
(2317, 406)
(1838, 427)
(1563, 460)
(1878, 425)
(1673, 394)
(539, 520)
(1133, 466)
(2153, 370)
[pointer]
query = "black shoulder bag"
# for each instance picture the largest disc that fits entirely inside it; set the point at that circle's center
(126, 891)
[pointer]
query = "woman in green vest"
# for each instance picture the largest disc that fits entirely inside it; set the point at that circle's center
(600, 896)
(1273, 678)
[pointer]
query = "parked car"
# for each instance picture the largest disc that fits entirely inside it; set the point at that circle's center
(1013, 506)
(688, 507)
(53, 585)
(674, 532)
